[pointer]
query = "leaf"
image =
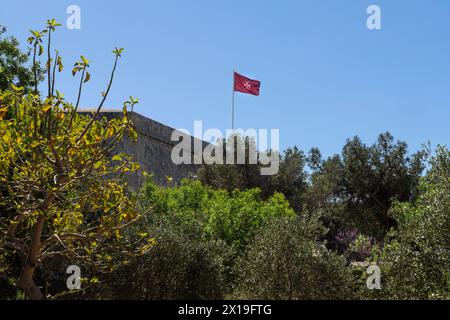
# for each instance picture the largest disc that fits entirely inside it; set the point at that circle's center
(59, 95)
(3, 112)
(117, 157)
(74, 71)
(35, 144)
(133, 134)
(46, 108)
(134, 100)
(143, 234)
(118, 51)
(52, 24)
(117, 234)
(16, 89)
(88, 76)
(85, 61)
(41, 50)
(88, 138)
(111, 131)
(60, 64)
(98, 164)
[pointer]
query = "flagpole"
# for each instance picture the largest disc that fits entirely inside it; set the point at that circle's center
(232, 106)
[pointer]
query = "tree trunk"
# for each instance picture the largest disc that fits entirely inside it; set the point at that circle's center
(26, 281)
(27, 284)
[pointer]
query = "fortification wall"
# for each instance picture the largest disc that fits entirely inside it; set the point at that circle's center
(152, 150)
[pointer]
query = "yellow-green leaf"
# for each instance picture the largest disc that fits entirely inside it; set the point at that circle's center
(60, 64)
(117, 157)
(88, 76)
(46, 108)
(85, 61)
(3, 111)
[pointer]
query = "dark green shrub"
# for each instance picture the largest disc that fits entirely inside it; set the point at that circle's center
(182, 265)
(415, 260)
(286, 262)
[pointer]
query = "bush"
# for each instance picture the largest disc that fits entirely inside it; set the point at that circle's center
(200, 232)
(286, 262)
(415, 260)
(232, 217)
(182, 265)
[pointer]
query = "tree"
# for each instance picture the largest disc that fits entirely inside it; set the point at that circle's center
(232, 217)
(286, 261)
(415, 258)
(62, 192)
(359, 186)
(291, 180)
(14, 68)
(183, 264)
(199, 233)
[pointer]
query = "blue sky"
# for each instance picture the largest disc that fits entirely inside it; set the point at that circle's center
(325, 77)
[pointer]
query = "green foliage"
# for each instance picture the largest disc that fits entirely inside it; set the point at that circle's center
(416, 257)
(358, 187)
(61, 193)
(290, 180)
(232, 233)
(14, 68)
(199, 233)
(287, 262)
(354, 189)
(229, 216)
(181, 265)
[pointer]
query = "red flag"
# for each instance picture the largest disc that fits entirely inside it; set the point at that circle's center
(246, 85)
